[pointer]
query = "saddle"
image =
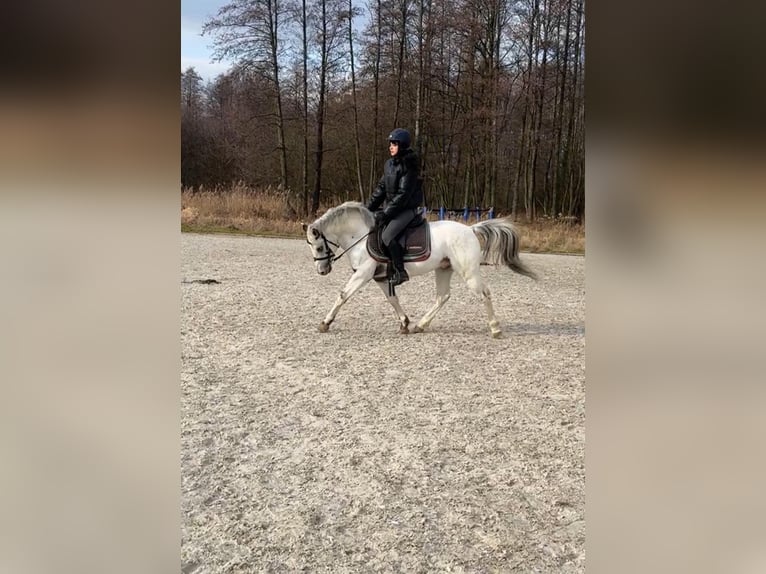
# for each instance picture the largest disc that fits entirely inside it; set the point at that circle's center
(416, 242)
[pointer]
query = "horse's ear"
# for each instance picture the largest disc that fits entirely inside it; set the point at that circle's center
(304, 226)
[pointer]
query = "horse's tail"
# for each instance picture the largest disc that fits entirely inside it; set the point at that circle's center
(500, 245)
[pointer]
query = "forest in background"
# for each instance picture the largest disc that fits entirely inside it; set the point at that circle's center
(491, 90)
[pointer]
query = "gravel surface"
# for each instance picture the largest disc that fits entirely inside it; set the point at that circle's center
(362, 450)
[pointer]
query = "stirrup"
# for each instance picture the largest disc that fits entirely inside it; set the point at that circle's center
(399, 277)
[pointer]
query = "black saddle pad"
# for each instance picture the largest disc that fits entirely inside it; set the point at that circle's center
(416, 241)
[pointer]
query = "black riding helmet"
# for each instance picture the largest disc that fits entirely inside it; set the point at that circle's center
(401, 136)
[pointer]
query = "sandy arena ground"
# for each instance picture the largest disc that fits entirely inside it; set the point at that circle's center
(362, 450)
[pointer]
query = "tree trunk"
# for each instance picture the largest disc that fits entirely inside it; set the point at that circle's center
(274, 31)
(571, 141)
(558, 163)
(400, 63)
(320, 113)
(540, 95)
(376, 100)
(529, 205)
(357, 147)
(304, 25)
(419, 81)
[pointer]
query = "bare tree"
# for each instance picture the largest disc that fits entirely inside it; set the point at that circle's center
(563, 65)
(573, 154)
(330, 21)
(249, 32)
(492, 89)
(305, 102)
(193, 141)
(376, 49)
(357, 147)
(191, 92)
(539, 94)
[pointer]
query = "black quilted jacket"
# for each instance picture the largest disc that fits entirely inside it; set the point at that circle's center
(399, 187)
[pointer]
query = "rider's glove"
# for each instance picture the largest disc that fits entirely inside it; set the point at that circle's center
(380, 218)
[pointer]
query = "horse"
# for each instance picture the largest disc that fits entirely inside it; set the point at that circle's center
(454, 247)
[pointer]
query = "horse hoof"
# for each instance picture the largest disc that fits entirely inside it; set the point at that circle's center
(417, 330)
(323, 327)
(497, 334)
(404, 331)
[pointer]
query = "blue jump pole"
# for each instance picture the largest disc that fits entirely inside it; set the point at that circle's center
(466, 214)
(491, 214)
(441, 212)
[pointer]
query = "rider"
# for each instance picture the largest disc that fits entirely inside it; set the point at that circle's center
(399, 188)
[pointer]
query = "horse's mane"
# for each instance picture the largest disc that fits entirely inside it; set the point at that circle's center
(340, 213)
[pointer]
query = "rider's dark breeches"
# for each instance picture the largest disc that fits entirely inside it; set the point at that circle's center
(397, 225)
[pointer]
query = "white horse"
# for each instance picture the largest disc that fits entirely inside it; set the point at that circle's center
(454, 247)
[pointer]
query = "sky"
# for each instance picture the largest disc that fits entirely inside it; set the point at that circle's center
(196, 50)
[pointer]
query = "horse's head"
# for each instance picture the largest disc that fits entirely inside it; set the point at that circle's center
(320, 248)
(347, 224)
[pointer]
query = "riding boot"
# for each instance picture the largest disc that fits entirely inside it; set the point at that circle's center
(399, 275)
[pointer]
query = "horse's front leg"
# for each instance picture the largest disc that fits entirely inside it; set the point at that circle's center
(359, 279)
(404, 321)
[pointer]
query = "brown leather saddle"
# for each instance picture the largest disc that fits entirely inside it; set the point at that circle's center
(416, 241)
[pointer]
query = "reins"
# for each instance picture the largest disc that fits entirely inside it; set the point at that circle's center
(330, 253)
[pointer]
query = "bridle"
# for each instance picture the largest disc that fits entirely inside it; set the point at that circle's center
(330, 253)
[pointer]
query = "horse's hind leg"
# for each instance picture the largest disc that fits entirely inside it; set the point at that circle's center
(477, 285)
(404, 321)
(443, 278)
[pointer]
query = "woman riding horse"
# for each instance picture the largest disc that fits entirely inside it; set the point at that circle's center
(399, 189)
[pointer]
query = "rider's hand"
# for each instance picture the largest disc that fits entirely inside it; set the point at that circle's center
(380, 218)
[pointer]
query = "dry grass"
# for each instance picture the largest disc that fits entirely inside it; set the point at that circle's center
(241, 209)
(552, 236)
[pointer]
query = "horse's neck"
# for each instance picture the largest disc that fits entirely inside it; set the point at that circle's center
(345, 233)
